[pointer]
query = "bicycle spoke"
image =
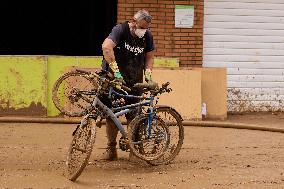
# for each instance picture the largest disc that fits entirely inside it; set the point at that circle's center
(176, 134)
(144, 146)
(71, 93)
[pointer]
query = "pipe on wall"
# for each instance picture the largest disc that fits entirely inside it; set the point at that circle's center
(185, 123)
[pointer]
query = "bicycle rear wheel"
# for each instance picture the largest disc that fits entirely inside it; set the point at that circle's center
(174, 122)
(68, 93)
(80, 150)
(148, 146)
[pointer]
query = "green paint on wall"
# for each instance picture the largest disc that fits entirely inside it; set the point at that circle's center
(184, 7)
(22, 81)
(166, 62)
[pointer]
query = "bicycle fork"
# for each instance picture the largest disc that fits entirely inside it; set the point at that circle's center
(84, 122)
(150, 122)
(150, 118)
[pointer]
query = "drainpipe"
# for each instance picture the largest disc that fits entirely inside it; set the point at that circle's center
(185, 123)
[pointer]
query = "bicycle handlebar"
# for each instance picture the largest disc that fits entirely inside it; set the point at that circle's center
(92, 73)
(127, 89)
(150, 86)
(153, 87)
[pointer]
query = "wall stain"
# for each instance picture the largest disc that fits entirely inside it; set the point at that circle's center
(35, 109)
(242, 102)
(17, 75)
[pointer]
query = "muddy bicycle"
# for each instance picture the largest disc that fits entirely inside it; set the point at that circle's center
(155, 136)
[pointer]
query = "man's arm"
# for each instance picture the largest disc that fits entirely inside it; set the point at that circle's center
(108, 52)
(149, 61)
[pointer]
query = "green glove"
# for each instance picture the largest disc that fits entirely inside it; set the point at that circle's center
(113, 66)
(148, 75)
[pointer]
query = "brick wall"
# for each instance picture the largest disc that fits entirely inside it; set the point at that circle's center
(183, 43)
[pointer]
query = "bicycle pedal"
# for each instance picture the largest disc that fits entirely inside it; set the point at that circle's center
(123, 144)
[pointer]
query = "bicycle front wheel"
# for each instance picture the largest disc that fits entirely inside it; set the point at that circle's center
(70, 93)
(148, 142)
(80, 150)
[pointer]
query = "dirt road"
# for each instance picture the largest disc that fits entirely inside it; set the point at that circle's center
(33, 156)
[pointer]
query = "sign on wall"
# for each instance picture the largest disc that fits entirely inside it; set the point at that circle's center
(184, 16)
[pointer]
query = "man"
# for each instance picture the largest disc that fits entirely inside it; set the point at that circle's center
(128, 53)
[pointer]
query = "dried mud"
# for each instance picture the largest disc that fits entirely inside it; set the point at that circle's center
(33, 156)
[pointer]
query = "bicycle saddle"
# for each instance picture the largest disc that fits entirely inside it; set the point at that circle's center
(151, 85)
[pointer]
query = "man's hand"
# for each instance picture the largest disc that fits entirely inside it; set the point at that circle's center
(118, 83)
(148, 75)
(114, 68)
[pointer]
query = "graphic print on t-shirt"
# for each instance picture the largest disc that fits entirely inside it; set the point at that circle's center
(136, 50)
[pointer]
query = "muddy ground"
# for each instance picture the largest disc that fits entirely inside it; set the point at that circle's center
(33, 156)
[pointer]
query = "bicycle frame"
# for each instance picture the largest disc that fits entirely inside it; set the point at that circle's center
(125, 109)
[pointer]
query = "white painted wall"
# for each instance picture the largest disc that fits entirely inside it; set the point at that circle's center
(247, 37)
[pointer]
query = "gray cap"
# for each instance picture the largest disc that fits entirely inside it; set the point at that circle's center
(143, 15)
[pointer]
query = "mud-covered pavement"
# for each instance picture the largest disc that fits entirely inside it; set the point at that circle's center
(33, 156)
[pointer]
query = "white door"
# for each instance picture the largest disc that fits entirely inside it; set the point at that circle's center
(247, 37)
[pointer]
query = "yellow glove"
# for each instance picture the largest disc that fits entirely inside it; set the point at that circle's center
(113, 66)
(148, 75)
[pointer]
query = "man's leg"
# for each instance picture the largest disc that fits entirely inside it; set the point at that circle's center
(111, 132)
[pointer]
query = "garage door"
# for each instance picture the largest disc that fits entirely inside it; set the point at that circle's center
(247, 37)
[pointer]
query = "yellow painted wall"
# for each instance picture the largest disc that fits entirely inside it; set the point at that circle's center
(186, 94)
(23, 85)
(26, 85)
(214, 92)
(192, 87)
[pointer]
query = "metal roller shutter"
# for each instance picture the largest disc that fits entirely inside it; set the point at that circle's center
(247, 37)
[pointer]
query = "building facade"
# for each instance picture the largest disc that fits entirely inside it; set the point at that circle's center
(245, 37)
(183, 43)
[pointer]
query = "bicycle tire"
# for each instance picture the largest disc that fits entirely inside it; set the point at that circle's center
(80, 150)
(64, 94)
(138, 137)
(174, 121)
